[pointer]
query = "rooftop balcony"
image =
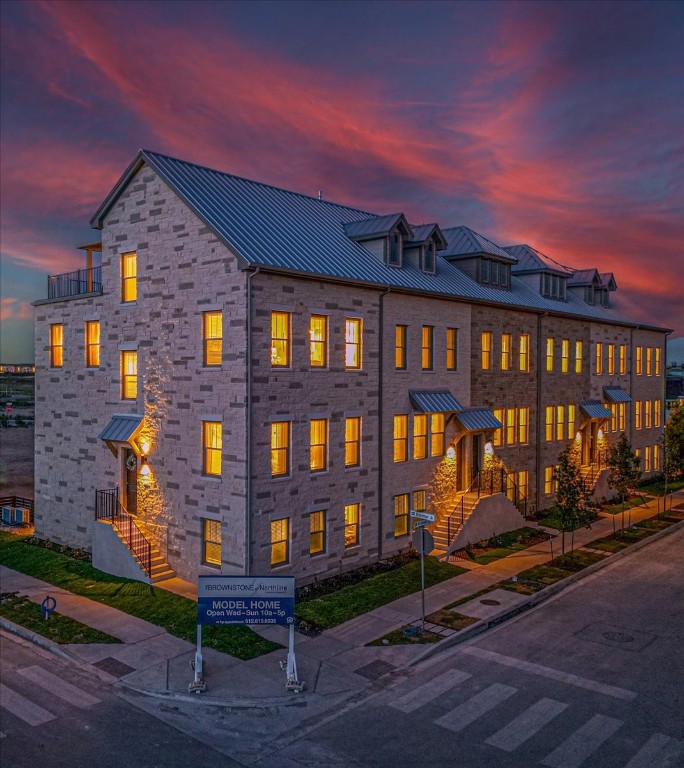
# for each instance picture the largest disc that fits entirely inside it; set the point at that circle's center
(80, 282)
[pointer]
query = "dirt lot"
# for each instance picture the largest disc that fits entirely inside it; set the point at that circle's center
(16, 462)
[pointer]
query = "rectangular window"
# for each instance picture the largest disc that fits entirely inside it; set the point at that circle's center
(572, 416)
(484, 271)
(637, 414)
(317, 532)
(419, 436)
(352, 441)
(352, 517)
(280, 448)
(657, 361)
(401, 515)
(522, 480)
(560, 422)
(656, 458)
(56, 345)
(579, 352)
(400, 438)
(506, 341)
(211, 542)
(647, 420)
(436, 434)
(92, 344)
(420, 501)
(318, 445)
(280, 541)
(318, 341)
(549, 431)
(213, 338)
(352, 343)
(647, 458)
(498, 433)
(549, 354)
(565, 355)
(524, 352)
(649, 361)
(523, 425)
(212, 444)
(599, 358)
(613, 417)
(280, 339)
(510, 426)
(548, 480)
(611, 359)
(129, 375)
(657, 413)
(400, 347)
(129, 277)
(451, 349)
(486, 350)
(395, 249)
(639, 361)
(622, 416)
(426, 347)
(623, 359)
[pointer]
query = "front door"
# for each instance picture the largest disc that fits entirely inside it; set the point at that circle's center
(131, 481)
(476, 455)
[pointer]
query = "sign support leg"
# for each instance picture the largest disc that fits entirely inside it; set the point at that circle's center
(293, 683)
(198, 685)
(422, 582)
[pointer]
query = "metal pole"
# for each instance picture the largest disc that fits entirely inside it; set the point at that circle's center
(198, 656)
(422, 576)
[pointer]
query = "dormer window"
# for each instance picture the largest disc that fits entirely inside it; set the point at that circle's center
(428, 256)
(554, 286)
(395, 248)
(495, 273)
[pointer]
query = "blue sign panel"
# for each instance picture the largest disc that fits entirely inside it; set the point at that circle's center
(245, 599)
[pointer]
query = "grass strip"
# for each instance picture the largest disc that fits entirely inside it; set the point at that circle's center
(174, 613)
(505, 544)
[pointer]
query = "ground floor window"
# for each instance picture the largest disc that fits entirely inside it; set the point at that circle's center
(280, 541)
(211, 542)
(401, 514)
(352, 516)
(317, 532)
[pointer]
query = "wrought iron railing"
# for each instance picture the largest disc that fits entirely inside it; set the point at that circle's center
(109, 507)
(595, 469)
(75, 283)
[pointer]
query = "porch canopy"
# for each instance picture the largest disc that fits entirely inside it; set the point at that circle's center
(594, 409)
(478, 420)
(122, 428)
(616, 395)
(434, 401)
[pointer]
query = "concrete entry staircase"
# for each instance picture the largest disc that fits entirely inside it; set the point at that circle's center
(440, 529)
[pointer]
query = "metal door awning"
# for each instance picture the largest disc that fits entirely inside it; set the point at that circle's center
(122, 428)
(595, 409)
(616, 395)
(434, 401)
(478, 420)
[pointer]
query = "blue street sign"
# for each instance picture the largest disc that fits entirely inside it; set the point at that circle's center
(245, 600)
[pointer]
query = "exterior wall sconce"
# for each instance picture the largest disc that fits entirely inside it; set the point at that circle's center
(489, 449)
(144, 466)
(144, 447)
(600, 434)
(578, 436)
(451, 452)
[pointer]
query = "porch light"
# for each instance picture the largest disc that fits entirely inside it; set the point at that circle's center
(600, 434)
(145, 447)
(578, 436)
(144, 466)
(489, 449)
(451, 452)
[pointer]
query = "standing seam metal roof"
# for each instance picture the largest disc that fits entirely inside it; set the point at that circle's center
(595, 409)
(435, 401)
(617, 395)
(478, 419)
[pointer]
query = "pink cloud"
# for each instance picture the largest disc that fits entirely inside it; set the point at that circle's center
(15, 309)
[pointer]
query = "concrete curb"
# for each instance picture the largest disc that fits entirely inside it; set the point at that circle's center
(36, 639)
(266, 703)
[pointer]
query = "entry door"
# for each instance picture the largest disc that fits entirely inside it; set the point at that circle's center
(461, 481)
(476, 455)
(131, 481)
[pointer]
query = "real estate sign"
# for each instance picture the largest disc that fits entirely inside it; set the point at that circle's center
(245, 599)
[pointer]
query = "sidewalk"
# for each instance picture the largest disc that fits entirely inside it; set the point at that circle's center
(335, 664)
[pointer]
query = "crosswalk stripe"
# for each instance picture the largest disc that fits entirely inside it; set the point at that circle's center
(582, 743)
(58, 687)
(429, 691)
(466, 713)
(659, 751)
(23, 708)
(527, 724)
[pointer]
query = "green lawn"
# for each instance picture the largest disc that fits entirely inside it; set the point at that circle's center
(658, 488)
(174, 613)
(624, 506)
(623, 539)
(551, 519)
(505, 544)
(532, 580)
(336, 608)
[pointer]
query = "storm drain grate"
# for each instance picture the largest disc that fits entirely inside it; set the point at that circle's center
(375, 669)
(114, 667)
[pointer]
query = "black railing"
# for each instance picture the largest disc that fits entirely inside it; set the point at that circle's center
(14, 502)
(108, 507)
(75, 283)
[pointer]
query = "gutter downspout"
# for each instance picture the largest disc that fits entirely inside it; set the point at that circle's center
(248, 429)
(381, 348)
(540, 415)
(632, 354)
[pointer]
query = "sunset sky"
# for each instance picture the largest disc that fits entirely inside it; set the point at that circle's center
(558, 124)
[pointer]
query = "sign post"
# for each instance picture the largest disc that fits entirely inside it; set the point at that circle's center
(427, 544)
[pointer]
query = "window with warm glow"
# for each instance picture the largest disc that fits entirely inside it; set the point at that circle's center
(129, 375)
(622, 413)
(498, 433)
(212, 332)
(352, 441)
(280, 541)
(212, 440)
(649, 361)
(565, 355)
(420, 501)
(611, 359)
(352, 343)
(129, 277)
(572, 418)
(549, 431)
(523, 425)
(657, 413)
(486, 347)
(548, 480)
(657, 361)
(56, 345)
(451, 349)
(426, 347)
(400, 438)
(280, 339)
(317, 532)
(599, 358)
(436, 434)
(92, 343)
(524, 352)
(613, 417)
(647, 458)
(648, 411)
(506, 341)
(522, 480)
(510, 426)
(352, 519)
(400, 347)
(318, 445)
(656, 458)
(637, 414)
(623, 359)
(401, 514)
(318, 341)
(549, 353)
(560, 422)
(579, 352)
(280, 448)
(639, 361)
(211, 542)
(419, 436)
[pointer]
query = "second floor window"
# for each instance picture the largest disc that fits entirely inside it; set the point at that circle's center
(486, 350)
(419, 436)
(639, 361)
(352, 343)
(426, 348)
(318, 341)
(637, 414)
(92, 344)
(212, 441)
(400, 347)
(623, 359)
(129, 276)
(352, 441)
(400, 438)
(611, 359)
(436, 434)
(523, 425)
(212, 332)
(657, 362)
(579, 352)
(649, 361)
(129, 375)
(599, 358)
(280, 339)
(506, 341)
(549, 354)
(318, 445)
(451, 349)
(565, 355)
(524, 352)
(280, 448)
(56, 345)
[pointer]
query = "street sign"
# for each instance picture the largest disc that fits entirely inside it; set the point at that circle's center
(423, 540)
(423, 515)
(245, 599)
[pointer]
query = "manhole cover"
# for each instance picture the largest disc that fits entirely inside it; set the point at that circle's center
(375, 669)
(489, 601)
(618, 637)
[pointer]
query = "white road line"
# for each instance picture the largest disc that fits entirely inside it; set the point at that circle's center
(554, 674)
(429, 691)
(58, 687)
(582, 743)
(23, 708)
(479, 705)
(527, 724)
(659, 751)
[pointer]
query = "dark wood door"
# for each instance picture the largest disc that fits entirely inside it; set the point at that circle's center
(131, 475)
(476, 455)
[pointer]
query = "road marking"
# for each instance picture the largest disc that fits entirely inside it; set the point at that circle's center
(58, 687)
(479, 705)
(659, 751)
(554, 674)
(583, 742)
(527, 724)
(23, 708)
(429, 691)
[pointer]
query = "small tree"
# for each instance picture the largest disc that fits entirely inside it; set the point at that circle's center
(625, 472)
(572, 499)
(674, 443)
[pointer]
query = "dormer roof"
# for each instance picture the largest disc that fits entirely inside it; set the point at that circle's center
(608, 281)
(581, 277)
(531, 260)
(379, 226)
(424, 232)
(464, 243)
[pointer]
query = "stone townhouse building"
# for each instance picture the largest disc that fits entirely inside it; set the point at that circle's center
(245, 379)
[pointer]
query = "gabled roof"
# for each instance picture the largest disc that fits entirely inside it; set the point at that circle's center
(585, 277)
(423, 232)
(531, 260)
(608, 281)
(380, 226)
(464, 243)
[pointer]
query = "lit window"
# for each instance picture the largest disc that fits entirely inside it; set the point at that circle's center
(647, 458)
(524, 352)
(317, 532)
(622, 416)
(611, 359)
(92, 343)
(420, 501)
(318, 341)
(565, 355)
(506, 341)
(579, 352)
(280, 448)
(649, 361)
(548, 480)
(637, 453)
(352, 345)
(352, 515)
(498, 433)
(523, 425)
(129, 375)
(613, 417)
(352, 441)
(522, 481)
(451, 349)
(486, 350)
(400, 347)
(426, 348)
(419, 436)
(213, 338)
(318, 445)
(599, 358)
(211, 542)
(560, 422)
(657, 361)
(572, 416)
(280, 541)
(647, 420)
(510, 426)
(657, 413)
(549, 411)
(656, 458)
(639, 361)
(129, 276)
(400, 438)
(549, 354)
(623, 359)
(401, 514)
(56, 345)
(212, 441)
(637, 414)
(280, 339)
(436, 434)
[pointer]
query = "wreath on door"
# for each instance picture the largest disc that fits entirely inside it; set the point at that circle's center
(131, 462)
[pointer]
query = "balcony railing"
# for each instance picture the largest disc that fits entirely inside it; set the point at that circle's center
(75, 283)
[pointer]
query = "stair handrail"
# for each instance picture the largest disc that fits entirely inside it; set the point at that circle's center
(108, 506)
(468, 490)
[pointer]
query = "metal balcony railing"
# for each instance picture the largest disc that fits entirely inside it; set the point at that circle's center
(75, 283)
